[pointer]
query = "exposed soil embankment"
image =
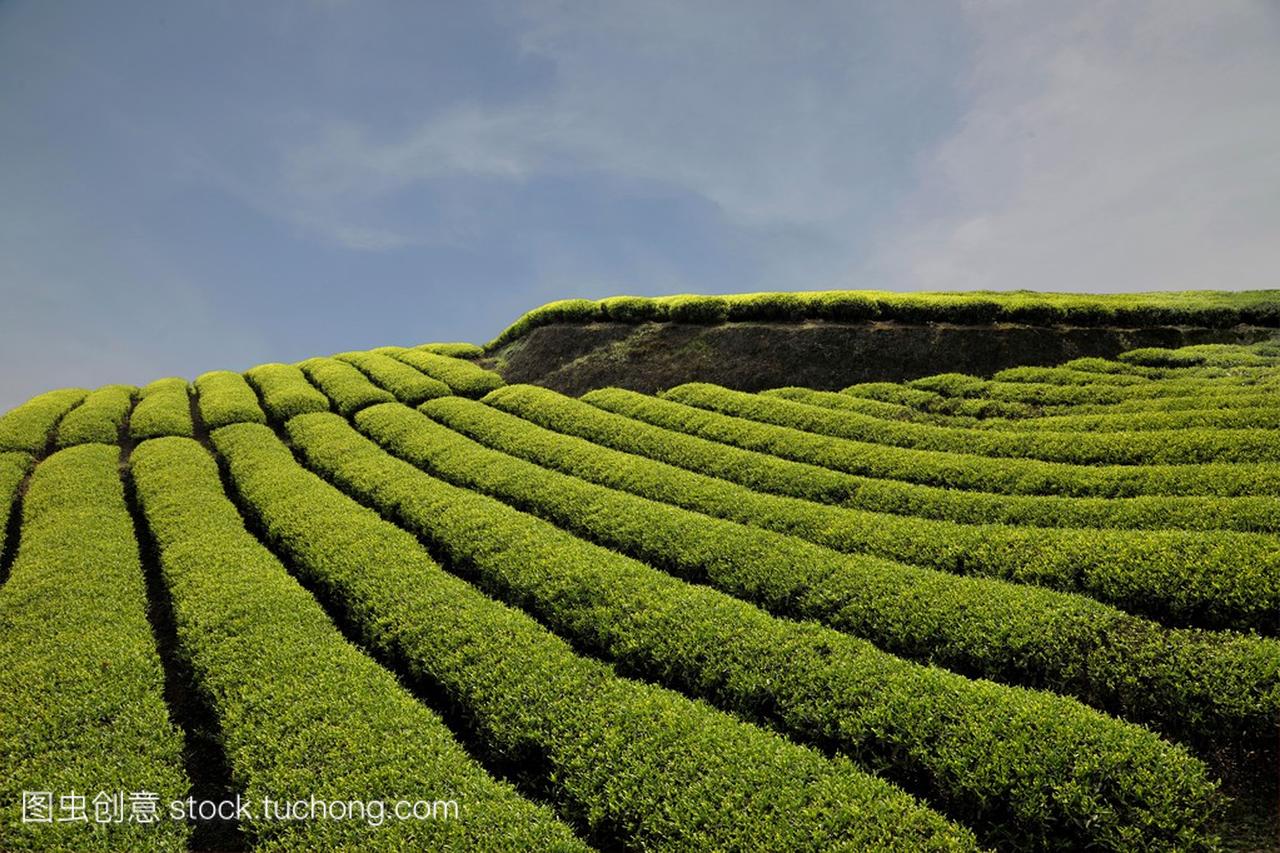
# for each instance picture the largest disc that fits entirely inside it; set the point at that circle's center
(576, 357)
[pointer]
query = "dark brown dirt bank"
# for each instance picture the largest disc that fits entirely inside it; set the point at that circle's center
(574, 358)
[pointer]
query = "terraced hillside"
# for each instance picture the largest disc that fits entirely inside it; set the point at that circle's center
(1032, 611)
(830, 339)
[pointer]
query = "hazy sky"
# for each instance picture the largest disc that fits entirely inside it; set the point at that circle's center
(192, 186)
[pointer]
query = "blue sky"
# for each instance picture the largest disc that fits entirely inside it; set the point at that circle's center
(194, 186)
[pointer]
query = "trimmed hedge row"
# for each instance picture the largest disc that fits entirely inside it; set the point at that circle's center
(462, 377)
(1255, 418)
(1211, 579)
(1195, 308)
(14, 466)
(407, 384)
(1214, 355)
(284, 391)
(925, 727)
(933, 403)
(99, 418)
(81, 685)
(1045, 395)
(631, 763)
(1065, 375)
(302, 711)
(1170, 447)
(1247, 514)
(941, 468)
(454, 350)
(1218, 419)
(1198, 686)
(225, 398)
(164, 408)
(348, 388)
(29, 426)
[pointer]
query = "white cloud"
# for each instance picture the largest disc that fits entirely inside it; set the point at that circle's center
(1109, 146)
(780, 120)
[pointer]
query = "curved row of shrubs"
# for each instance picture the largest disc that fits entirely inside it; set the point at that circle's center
(29, 426)
(940, 468)
(346, 387)
(1041, 394)
(99, 418)
(82, 709)
(1248, 513)
(462, 377)
(406, 383)
(1170, 447)
(225, 398)
(1217, 419)
(284, 391)
(930, 729)
(302, 712)
(14, 466)
(1195, 308)
(1203, 687)
(164, 408)
(626, 762)
(1210, 579)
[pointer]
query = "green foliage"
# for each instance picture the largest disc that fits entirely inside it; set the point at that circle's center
(695, 309)
(348, 388)
(454, 350)
(407, 384)
(1131, 448)
(29, 426)
(225, 398)
(303, 712)
(14, 466)
(1217, 309)
(1251, 514)
(462, 377)
(630, 309)
(164, 408)
(1045, 394)
(284, 391)
(946, 469)
(99, 418)
(630, 763)
(1215, 579)
(1199, 686)
(81, 704)
(922, 726)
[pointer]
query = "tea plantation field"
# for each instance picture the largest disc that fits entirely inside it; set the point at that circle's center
(1033, 611)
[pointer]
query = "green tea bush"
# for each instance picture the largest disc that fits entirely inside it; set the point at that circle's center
(920, 725)
(462, 377)
(99, 418)
(348, 388)
(1169, 447)
(223, 397)
(1215, 309)
(285, 391)
(164, 408)
(454, 350)
(627, 762)
(81, 685)
(14, 466)
(407, 384)
(29, 426)
(1211, 579)
(303, 712)
(1199, 686)
(631, 309)
(942, 468)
